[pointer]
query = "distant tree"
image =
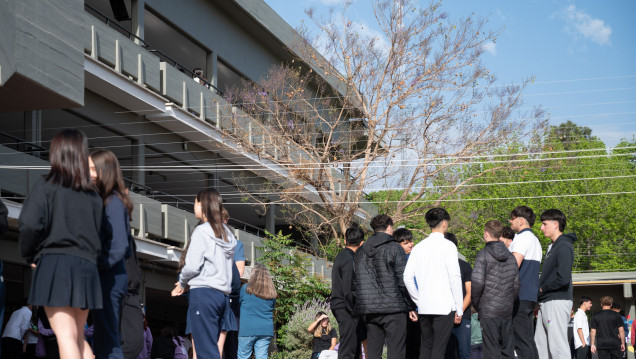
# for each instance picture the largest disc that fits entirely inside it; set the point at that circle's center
(403, 109)
(570, 133)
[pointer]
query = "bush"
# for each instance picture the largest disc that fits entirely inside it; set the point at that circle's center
(294, 335)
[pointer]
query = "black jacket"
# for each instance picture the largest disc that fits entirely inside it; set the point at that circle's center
(342, 281)
(556, 275)
(379, 268)
(495, 281)
(56, 219)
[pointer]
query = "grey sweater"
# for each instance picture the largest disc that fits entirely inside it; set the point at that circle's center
(208, 263)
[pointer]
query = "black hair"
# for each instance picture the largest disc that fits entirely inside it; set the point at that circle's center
(616, 305)
(381, 222)
(354, 235)
(403, 235)
(435, 216)
(584, 299)
(524, 212)
(554, 215)
(508, 233)
(451, 237)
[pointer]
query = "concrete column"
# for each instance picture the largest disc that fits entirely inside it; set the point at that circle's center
(270, 218)
(137, 14)
(211, 69)
(33, 128)
(139, 159)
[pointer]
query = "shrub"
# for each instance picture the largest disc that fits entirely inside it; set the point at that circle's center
(294, 335)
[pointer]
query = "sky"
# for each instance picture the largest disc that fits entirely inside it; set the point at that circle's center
(581, 54)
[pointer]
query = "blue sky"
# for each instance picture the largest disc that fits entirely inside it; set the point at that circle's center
(582, 54)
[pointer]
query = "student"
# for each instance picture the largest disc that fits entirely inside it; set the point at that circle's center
(208, 273)
(476, 339)
(438, 295)
(342, 304)
(15, 331)
(527, 250)
(555, 288)
(607, 335)
(413, 341)
(325, 337)
(116, 248)
(257, 299)
(581, 329)
(380, 264)
(59, 227)
(495, 285)
(507, 236)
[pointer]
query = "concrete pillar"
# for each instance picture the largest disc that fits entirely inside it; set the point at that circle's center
(137, 14)
(33, 128)
(139, 159)
(211, 69)
(270, 218)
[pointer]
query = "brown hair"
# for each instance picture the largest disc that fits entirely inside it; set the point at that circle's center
(109, 178)
(607, 301)
(212, 208)
(261, 283)
(68, 155)
(319, 332)
(494, 228)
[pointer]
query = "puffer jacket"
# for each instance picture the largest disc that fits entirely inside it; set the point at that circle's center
(378, 284)
(495, 281)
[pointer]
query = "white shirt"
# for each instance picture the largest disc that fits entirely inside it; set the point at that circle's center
(580, 321)
(434, 264)
(18, 323)
(527, 244)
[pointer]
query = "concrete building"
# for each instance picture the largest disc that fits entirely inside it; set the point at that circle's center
(122, 72)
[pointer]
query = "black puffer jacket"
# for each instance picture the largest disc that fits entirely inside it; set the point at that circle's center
(495, 281)
(379, 267)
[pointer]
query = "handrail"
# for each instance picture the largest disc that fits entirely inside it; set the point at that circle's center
(177, 65)
(109, 21)
(148, 190)
(20, 141)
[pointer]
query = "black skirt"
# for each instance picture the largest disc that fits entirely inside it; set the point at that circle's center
(63, 280)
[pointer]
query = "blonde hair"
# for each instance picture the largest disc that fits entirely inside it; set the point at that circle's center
(261, 283)
(319, 332)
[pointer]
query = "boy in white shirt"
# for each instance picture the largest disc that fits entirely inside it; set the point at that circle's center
(581, 329)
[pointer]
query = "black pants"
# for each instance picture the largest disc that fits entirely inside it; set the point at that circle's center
(349, 334)
(132, 327)
(523, 323)
(610, 353)
(583, 353)
(30, 352)
(435, 331)
(413, 339)
(230, 348)
(11, 348)
(498, 343)
(391, 327)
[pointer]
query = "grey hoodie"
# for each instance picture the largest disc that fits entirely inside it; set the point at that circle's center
(208, 263)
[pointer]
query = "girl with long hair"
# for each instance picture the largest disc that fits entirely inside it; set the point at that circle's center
(325, 337)
(116, 248)
(207, 272)
(256, 328)
(59, 227)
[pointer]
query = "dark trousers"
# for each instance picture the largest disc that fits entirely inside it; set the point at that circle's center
(11, 348)
(230, 348)
(349, 334)
(106, 338)
(459, 342)
(2, 294)
(413, 339)
(582, 352)
(132, 327)
(435, 331)
(609, 353)
(30, 352)
(476, 351)
(523, 323)
(391, 327)
(498, 343)
(206, 310)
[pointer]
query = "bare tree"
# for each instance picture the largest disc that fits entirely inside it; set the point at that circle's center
(398, 109)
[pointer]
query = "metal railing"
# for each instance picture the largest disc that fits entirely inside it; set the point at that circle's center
(160, 54)
(31, 147)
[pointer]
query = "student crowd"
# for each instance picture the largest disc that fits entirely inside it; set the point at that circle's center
(417, 300)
